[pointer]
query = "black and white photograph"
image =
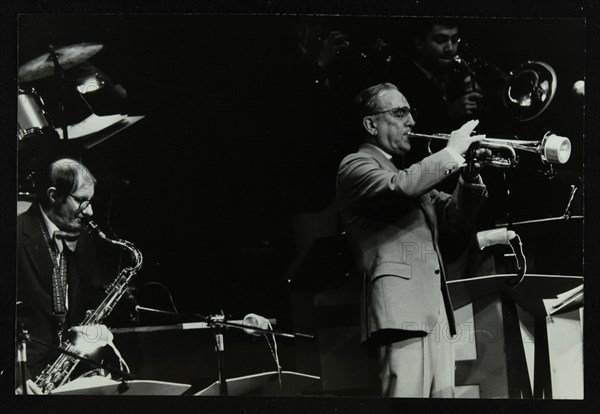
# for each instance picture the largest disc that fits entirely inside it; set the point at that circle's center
(305, 206)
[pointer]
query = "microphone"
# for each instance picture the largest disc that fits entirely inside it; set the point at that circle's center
(88, 338)
(256, 321)
(99, 334)
(496, 236)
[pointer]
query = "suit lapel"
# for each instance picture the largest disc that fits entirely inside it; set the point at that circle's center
(36, 247)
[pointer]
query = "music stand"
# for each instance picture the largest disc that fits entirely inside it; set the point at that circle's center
(529, 296)
(104, 386)
(266, 383)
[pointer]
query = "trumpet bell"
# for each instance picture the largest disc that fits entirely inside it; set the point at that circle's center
(529, 90)
(555, 149)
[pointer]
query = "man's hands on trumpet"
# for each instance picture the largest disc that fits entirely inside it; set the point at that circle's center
(467, 145)
(461, 139)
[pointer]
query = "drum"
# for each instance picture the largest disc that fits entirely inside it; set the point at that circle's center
(24, 201)
(101, 95)
(31, 116)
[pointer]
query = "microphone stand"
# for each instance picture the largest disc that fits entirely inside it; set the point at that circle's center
(220, 350)
(565, 216)
(217, 323)
(22, 356)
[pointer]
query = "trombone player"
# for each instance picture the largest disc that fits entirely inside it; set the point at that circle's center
(443, 94)
(393, 215)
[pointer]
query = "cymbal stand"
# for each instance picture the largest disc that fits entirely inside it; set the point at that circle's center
(59, 74)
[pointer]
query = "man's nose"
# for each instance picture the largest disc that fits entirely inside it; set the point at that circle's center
(410, 121)
(88, 211)
(449, 45)
(452, 47)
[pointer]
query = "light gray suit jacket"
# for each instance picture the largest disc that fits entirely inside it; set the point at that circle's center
(393, 218)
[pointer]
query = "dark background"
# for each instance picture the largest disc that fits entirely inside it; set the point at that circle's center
(201, 184)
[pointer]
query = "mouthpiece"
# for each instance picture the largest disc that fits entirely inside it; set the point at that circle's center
(93, 228)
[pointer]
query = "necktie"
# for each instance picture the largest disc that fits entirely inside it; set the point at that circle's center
(59, 283)
(69, 239)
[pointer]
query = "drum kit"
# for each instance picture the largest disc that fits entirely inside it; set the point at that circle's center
(32, 116)
(42, 129)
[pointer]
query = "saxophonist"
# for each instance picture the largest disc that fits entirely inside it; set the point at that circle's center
(60, 270)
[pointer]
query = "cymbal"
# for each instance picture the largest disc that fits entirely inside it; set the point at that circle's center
(68, 56)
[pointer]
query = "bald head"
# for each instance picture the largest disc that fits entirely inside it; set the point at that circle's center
(64, 175)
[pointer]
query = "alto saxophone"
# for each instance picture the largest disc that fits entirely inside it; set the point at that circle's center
(57, 373)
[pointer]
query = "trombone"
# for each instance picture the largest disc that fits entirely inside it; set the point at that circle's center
(553, 149)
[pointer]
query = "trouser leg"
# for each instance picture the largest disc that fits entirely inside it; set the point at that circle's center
(441, 348)
(403, 369)
(421, 366)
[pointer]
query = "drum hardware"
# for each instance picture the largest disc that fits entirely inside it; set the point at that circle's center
(59, 73)
(101, 96)
(553, 149)
(24, 201)
(89, 83)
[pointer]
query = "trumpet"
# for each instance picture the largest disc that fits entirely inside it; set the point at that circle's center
(553, 149)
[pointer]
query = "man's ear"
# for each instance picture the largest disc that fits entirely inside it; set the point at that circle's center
(51, 193)
(369, 124)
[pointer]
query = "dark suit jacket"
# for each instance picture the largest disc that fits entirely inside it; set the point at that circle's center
(393, 219)
(86, 278)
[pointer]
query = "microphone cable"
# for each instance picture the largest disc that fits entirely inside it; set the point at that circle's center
(521, 261)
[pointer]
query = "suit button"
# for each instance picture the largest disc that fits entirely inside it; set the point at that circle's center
(437, 271)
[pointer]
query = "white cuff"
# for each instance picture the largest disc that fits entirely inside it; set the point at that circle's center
(456, 157)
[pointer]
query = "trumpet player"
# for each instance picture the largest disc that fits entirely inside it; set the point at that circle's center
(393, 216)
(59, 273)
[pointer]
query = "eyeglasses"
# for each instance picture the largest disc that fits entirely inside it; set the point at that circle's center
(83, 204)
(400, 112)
